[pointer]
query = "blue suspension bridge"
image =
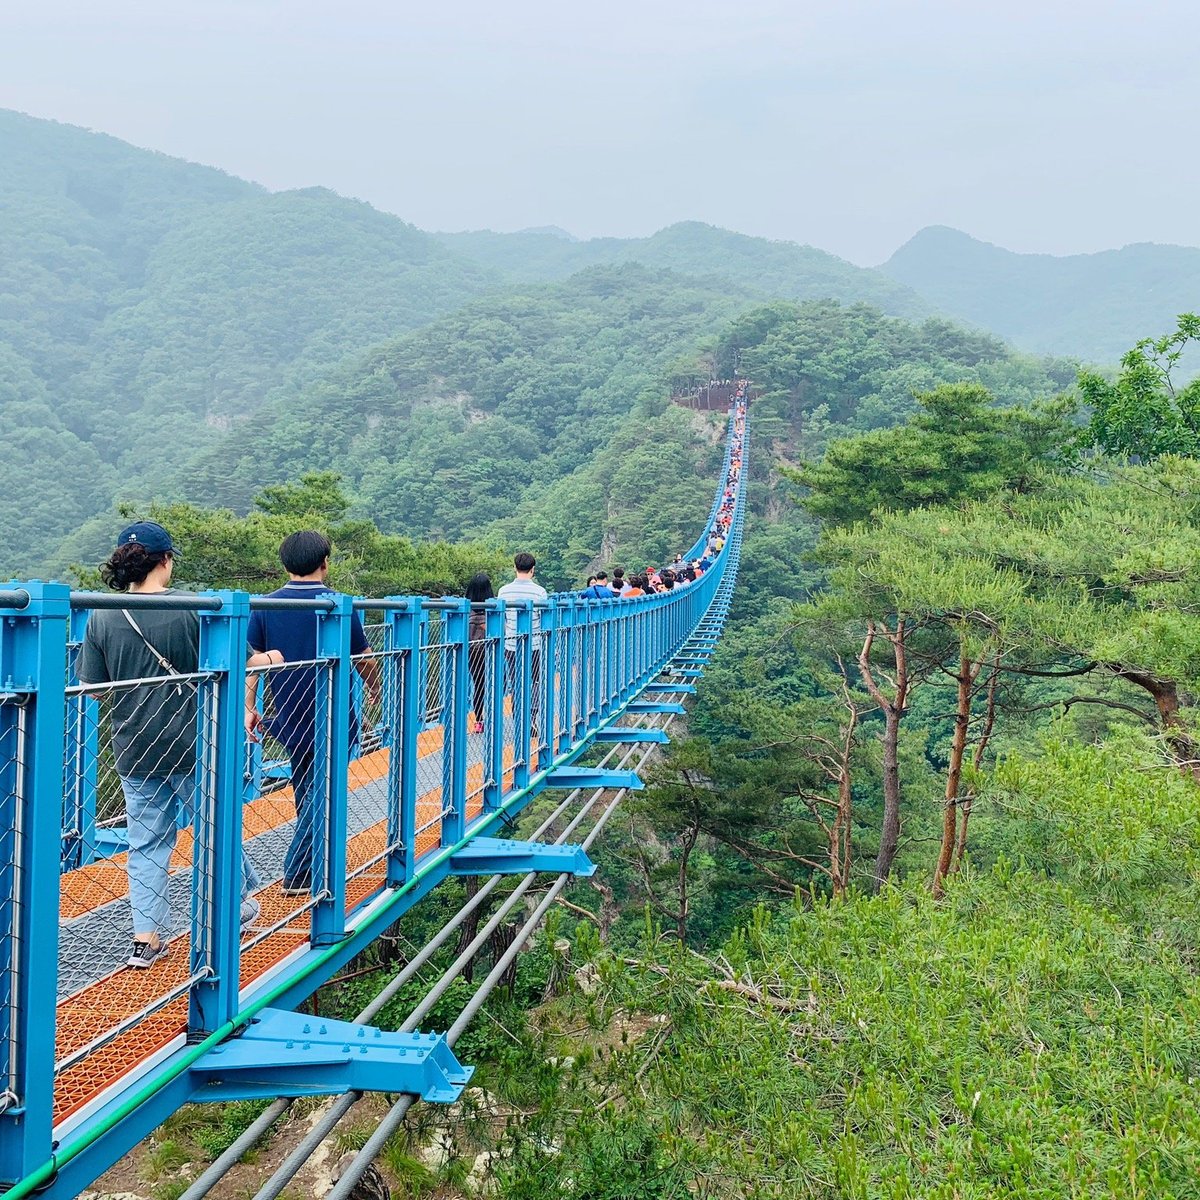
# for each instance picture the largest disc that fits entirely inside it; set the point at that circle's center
(464, 734)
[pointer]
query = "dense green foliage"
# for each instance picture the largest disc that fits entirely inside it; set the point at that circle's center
(1089, 306)
(1032, 1035)
(1142, 414)
(1026, 1028)
(151, 304)
(829, 371)
(220, 549)
(958, 445)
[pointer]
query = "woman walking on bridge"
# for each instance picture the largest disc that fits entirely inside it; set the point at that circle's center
(153, 725)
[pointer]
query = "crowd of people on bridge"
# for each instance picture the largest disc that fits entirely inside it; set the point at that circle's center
(154, 725)
(681, 572)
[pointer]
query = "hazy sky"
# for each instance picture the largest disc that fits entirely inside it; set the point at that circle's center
(1041, 125)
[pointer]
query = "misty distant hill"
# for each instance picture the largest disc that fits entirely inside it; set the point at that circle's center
(784, 270)
(147, 304)
(1090, 306)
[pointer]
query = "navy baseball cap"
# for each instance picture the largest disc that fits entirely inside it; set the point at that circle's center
(150, 535)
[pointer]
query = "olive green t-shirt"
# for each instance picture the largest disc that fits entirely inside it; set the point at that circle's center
(153, 725)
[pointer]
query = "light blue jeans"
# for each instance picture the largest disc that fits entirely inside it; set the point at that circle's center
(155, 809)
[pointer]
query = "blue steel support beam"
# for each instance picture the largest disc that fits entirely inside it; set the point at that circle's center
(570, 778)
(33, 650)
(455, 692)
(221, 743)
(626, 735)
(503, 856)
(290, 1054)
(329, 827)
(406, 631)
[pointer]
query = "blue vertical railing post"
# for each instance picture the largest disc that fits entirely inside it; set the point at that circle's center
(493, 729)
(456, 634)
(332, 725)
(596, 678)
(612, 661)
(406, 631)
(583, 656)
(33, 667)
(522, 686)
(551, 677)
(631, 648)
(569, 640)
(221, 741)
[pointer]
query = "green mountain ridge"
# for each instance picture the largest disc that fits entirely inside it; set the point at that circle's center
(1089, 306)
(147, 305)
(156, 315)
(781, 269)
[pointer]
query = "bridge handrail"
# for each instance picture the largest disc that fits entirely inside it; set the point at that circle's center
(542, 693)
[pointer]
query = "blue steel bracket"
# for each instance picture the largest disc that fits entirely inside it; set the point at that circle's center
(289, 1054)
(656, 706)
(679, 689)
(628, 736)
(570, 778)
(688, 672)
(503, 856)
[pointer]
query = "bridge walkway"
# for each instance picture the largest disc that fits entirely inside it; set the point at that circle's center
(95, 1054)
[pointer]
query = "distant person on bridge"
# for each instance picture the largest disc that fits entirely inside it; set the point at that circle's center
(153, 726)
(598, 589)
(479, 590)
(520, 589)
(290, 636)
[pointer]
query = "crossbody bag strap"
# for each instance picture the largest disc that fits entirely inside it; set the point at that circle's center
(162, 660)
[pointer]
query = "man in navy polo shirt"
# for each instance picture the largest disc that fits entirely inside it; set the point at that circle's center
(290, 636)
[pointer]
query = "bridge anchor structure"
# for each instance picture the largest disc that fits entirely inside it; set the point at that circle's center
(399, 794)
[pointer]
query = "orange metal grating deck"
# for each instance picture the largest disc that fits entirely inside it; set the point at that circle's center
(98, 1008)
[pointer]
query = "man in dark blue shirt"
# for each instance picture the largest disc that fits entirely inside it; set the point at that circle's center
(290, 636)
(598, 589)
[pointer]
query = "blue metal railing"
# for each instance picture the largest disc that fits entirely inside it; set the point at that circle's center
(388, 812)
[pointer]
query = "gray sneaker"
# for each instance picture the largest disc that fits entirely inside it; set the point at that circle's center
(250, 910)
(145, 955)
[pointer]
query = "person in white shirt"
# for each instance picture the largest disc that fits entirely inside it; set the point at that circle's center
(520, 589)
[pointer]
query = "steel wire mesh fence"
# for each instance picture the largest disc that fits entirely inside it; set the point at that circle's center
(138, 785)
(486, 720)
(544, 673)
(13, 780)
(372, 824)
(290, 768)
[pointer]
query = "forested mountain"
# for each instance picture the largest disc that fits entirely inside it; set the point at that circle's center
(772, 268)
(1089, 306)
(146, 304)
(540, 417)
(452, 429)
